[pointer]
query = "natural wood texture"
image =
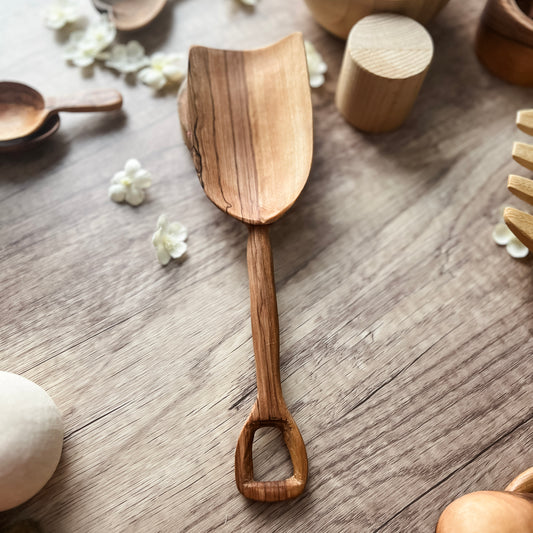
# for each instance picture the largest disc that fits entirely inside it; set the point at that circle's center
(338, 16)
(29, 142)
(489, 512)
(523, 482)
(504, 40)
(23, 110)
(521, 224)
(130, 15)
(27, 526)
(269, 408)
(405, 332)
(523, 154)
(252, 127)
(385, 63)
(521, 188)
(524, 121)
(248, 124)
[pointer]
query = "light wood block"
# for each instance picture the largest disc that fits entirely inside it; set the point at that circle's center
(338, 16)
(385, 63)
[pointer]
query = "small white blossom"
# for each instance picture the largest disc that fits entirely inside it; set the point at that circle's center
(169, 240)
(128, 184)
(503, 236)
(316, 65)
(60, 13)
(86, 46)
(163, 69)
(127, 58)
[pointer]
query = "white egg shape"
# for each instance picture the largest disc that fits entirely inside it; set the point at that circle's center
(31, 439)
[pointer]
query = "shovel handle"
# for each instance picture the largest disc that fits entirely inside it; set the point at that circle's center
(95, 100)
(269, 408)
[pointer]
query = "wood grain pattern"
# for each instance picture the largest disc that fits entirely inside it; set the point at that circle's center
(385, 62)
(252, 128)
(521, 224)
(339, 16)
(251, 142)
(504, 40)
(524, 121)
(405, 332)
(521, 187)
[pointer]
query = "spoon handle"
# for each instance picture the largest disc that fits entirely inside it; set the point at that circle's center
(96, 100)
(269, 408)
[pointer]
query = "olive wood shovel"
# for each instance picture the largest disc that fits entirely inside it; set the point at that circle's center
(247, 120)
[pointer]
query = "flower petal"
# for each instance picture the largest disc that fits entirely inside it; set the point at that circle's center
(316, 80)
(162, 222)
(117, 193)
(177, 231)
(142, 178)
(516, 249)
(502, 234)
(132, 166)
(153, 78)
(118, 177)
(134, 196)
(176, 248)
(162, 255)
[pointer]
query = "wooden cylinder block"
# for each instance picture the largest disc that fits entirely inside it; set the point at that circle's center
(339, 16)
(385, 62)
(504, 40)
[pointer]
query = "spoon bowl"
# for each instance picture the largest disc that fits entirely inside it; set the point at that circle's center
(22, 144)
(23, 110)
(130, 15)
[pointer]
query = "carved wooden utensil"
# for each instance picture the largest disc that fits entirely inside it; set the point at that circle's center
(130, 15)
(247, 118)
(23, 110)
(509, 511)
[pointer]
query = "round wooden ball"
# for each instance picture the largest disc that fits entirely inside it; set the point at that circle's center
(385, 62)
(338, 16)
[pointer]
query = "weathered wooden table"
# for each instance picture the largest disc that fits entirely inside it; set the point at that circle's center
(405, 331)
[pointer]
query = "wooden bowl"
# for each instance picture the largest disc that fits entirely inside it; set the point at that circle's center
(504, 40)
(28, 142)
(338, 16)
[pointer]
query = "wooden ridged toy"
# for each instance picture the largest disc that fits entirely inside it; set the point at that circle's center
(509, 511)
(504, 40)
(385, 63)
(339, 16)
(247, 120)
(519, 222)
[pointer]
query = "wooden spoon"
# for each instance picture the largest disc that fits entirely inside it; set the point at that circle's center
(34, 139)
(23, 110)
(249, 123)
(130, 15)
(509, 511)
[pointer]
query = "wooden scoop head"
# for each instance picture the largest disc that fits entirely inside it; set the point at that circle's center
(250, 118)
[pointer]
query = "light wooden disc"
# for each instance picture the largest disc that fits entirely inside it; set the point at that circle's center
(391, 46)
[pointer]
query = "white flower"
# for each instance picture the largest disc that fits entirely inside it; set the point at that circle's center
(127, 58)
(86, 46)
(503, 236)
(128, 184)
(315, 64)
(61, 12)
(169, 240)
(163, 69)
